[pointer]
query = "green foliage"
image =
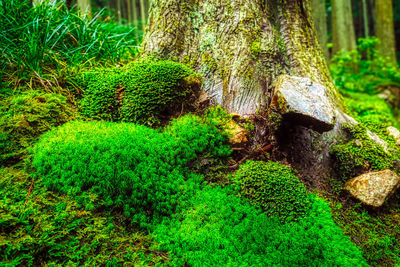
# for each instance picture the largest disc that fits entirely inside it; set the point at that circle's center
(141, 170)
(364, 69)
(273, 187)
(49, 36)
(216, 228)
(25, 116)
(102, 93)
(39, 227)
(142, 92)
(360, 154)
(371, 110)
(376, 233)
(152, 88)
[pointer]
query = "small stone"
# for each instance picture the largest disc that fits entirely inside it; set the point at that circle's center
(304, 102)
(373, 188)
(395, 133)
(238, 135)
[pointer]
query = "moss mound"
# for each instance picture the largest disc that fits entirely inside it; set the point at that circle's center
(216, 228)
(25, 116)
(273, 187)
(143, 92)
(132, 167)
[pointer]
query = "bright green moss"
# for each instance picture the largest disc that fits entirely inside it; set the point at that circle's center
(131, 167)
(102, 93)
(273, 187)
(216, 228)
(24, 116)
(143, 92)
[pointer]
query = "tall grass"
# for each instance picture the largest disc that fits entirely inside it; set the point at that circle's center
(35, 39)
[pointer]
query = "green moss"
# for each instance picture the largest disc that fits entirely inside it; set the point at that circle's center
(131, 167)
(360, 154)
(376, 232)
(216, 228)
(25, 116)
(273, 187)
(143, 92)
(40, 227)
(255, 49)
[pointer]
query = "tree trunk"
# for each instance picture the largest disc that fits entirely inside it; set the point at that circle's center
(343, 36)
(385, 29)
(84, 7)
(365, 18)
(240, 47)
(319, 15)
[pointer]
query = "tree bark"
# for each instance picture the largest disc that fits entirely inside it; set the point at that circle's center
(320, 21)
(365, 18)
(343, 36)
(240, 47)
(384, 28)
(243, 49)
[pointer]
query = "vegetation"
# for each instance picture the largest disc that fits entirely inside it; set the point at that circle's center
(362, 76)
(142, 92)
(25, 116)
(46, 38)
(274, 188)
(218, 228)
(101, 163)
(41, 227)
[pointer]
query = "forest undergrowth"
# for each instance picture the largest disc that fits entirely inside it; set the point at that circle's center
(97, 169)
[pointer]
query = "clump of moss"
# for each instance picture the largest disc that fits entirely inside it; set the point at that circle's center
(360, 154)
(273, 187)
(139, 170)
(143, 92)
(101, 88)
(25, 116)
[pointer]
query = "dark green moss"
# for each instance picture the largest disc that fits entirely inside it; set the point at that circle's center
(360, 154)
(273, 187)
(143, 92)
(25, 116)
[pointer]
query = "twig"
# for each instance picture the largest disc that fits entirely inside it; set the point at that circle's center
(29, 191)
(252, 154)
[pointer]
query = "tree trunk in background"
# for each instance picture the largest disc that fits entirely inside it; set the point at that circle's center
(384, 29)
(319, 15)
(119, 11)
(343, 36)
(36, 2)
(365, 18)
(143, 13)
(84, 7)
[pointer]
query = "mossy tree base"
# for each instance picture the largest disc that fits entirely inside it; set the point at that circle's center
(240, 47)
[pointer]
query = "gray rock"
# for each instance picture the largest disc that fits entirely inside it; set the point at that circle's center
(395, 133)
(304, 102)
(373, 188)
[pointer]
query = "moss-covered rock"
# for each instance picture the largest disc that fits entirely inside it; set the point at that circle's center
(274, 188)
(143, 92)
